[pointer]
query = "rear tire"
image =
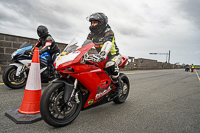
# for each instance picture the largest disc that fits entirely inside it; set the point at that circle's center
(53, 109)
(11, 80)
(124, 91)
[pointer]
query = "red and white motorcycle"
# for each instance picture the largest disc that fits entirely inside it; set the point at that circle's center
(83, 84)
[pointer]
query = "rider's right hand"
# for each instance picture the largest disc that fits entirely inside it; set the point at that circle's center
(96, 58)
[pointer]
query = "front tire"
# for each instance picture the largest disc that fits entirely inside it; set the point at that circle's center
(124, 91)
(54, 110)
(11, 80)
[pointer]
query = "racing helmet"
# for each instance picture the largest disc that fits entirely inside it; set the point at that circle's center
(42, 31)
(102, 22)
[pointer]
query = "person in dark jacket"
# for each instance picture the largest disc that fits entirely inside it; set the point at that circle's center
(104, 40)
(46, 42)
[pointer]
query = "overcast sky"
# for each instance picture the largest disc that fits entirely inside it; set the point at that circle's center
(140, 26)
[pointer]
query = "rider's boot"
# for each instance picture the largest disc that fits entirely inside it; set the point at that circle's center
(117, 82)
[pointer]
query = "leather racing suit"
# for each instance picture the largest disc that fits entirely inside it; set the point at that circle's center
(107, 35)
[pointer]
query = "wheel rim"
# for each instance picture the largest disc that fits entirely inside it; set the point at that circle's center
(13, 79)
(123, 91)
(58, 108)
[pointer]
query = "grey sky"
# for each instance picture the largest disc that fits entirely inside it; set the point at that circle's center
(140, 26)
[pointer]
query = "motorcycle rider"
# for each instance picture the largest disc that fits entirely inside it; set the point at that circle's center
(104, 40)
(48, 44)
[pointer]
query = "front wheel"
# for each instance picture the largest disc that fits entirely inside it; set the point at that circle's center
(124, 90)
(54, 110)
(11, 80)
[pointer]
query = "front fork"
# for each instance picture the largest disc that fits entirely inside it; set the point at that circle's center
(70, 92)
(20, 68)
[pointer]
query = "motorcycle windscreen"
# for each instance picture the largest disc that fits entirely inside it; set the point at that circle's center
(25, 44)
(72, 53)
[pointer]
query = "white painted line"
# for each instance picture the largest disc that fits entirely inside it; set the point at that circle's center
(197, 75)
(129, 73)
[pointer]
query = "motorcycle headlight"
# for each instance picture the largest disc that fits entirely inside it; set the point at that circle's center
(13, 54)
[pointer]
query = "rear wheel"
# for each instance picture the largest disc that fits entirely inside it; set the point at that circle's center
(11, 80)
(54, 110)
(124, 90)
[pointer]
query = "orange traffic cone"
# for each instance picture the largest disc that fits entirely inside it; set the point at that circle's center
(29, 110)
(32, 94)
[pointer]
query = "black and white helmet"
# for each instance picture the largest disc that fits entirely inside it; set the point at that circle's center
(102, 21)
(42, 31)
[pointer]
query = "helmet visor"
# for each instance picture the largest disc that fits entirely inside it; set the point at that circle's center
(94, 16)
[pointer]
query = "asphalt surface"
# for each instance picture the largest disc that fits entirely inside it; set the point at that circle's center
(160, 101)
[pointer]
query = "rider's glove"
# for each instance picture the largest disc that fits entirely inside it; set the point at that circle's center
(99, 57)
(96, 58)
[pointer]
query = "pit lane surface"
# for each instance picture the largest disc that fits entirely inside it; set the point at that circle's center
(159, 101)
